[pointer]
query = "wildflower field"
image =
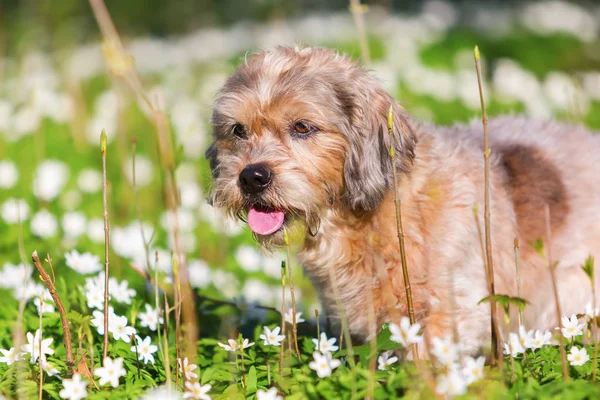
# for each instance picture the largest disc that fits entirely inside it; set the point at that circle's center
(194, 308)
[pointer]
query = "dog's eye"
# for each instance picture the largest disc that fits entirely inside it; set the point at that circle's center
(302, 128)
(239, 130)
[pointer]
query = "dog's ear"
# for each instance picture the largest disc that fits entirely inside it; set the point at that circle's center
(368, 173)
(211, 155)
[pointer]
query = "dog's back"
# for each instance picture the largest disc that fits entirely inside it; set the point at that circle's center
(554, 164)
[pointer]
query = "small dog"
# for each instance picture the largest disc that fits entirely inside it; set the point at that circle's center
(301, 143)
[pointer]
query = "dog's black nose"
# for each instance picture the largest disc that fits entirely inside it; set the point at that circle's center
(255, 178)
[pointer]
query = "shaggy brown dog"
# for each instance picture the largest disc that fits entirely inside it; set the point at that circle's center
(301, 142)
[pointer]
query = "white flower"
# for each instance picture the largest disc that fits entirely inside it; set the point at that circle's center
(190, 195)
(50, 178)
(89, 181)
(571, 327)
(128, 241)
(196, 391)
(33, 346)
(272, 266)
(6, 110)
(110, 372)
(200, 274)
(95, 230)
(94, 294)
(49, 368)
(10, 356)
(150, 318)
(384, 360)
(270, 394)
(27, 290)
(323, 364)
(74, 224)
(85, 263)
(325, 345)
(47, 306)
(513, 347)
(257, 291)
(25, 121)
(98, 320)
(14, 276)
(272, 337)
(289, 316)
(44, 224)
(74, 388)
(187, 369)
(185, 220)
(525, 338)
(444, 350)
(589, 313)
(121, 291)
(143, 171)
(248, 258)
(145, 349)
(564, 94)
(578, 357)
(560, 17)
(8, 174)
(15, 210)
(541, 339)
(234, 346)
(120, 330)
(405, 334)
(451, 384)
(473, 369)
(162, 393)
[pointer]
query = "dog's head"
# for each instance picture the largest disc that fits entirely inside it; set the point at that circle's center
(297, 131)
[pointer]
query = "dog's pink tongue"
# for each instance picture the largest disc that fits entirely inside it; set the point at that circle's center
(265, 222)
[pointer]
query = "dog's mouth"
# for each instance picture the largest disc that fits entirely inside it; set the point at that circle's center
(264, 220)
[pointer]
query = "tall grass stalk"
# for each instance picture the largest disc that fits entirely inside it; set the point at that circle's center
(121, 65)
(519, 291)
(106, 240)
(283, 330)
(137, 205)
(552, 267)
(17, 333)
(399, 228)
(166, 344)
(177, 305)
(137, 354)
(496, 344)
(40, 358)
(592, 274)
(345, 329)
(371, 319)
(286, 238)
(153, 280)
(358, 14)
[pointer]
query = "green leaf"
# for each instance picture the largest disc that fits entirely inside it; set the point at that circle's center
(251, 381)
(588, 267)
(538, 245)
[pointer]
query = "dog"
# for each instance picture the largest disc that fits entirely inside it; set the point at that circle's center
(301, 152)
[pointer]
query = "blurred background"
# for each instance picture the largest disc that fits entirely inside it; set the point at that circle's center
(541, 59)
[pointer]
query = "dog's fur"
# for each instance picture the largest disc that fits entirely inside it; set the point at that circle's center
(338, 182)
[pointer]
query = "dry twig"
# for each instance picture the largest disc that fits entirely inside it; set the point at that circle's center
(59, 305)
